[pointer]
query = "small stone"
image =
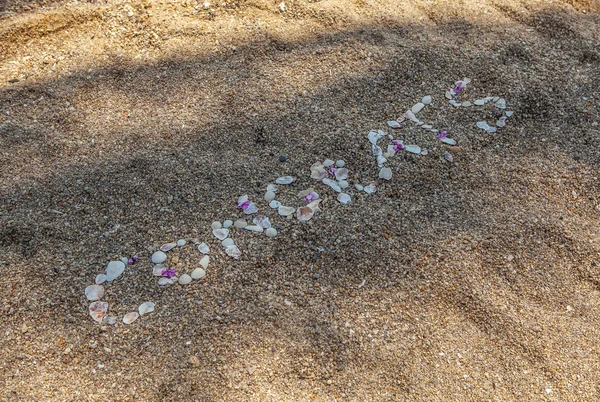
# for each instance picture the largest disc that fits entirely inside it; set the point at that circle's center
(271, 232)
(370, 189)
(426, 100)
(500, 104)
(240, 223)
(415, 149)
(328, 162)
(198, 273)
(509, 113)
(274, 204)
(359, 187)
(233, 251)
(479, 102)
(333, 184)
(394, 124)
(254, 228)
(227, 223)
(285, 180)
(100, 278)
(341, 174)
(343, 184)
(269, 196)
(466, 104)
(385, 173)
(159, 257)
(168, 246)
(146, 308)
(449, 141)
(483, 125)
(94, 292)
(181, 242)
(204, 261)
(216, 225)
(130, 317)
(185, 279)
(194, 361)
(427, 126)
(114, 269)
(272, 187)
(227, 242)
(175, 260)
(163, 281)
(340, 163)
(344, 198)
(448, 156)
(203, 248)
(282, 158)
(417, 108)
(285, 211)
(221, 234)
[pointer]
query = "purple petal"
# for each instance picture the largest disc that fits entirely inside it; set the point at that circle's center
(443, 134)
(130, 261)
(135, 257)
(244, 205)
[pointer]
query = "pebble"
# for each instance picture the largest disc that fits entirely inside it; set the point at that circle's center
(483, 125)
(449, 141)
(448, 156)
(415, 149)
(341, 174)
(269, 196)
(509, 113)
(146, 308)
(272, 187)
(344, 198)
(285, 211)
(340, 163)
(203, 248)
(466, 104)
(114, 269)
(240, 223)
(221, 234)
(159, 257)
(175, 260)
(271, 232)
(163, 281)
(198, 273)
(233, 251)
(274, 204)
(262, 221)
(227, 223)
(130, 317)
(479, 102)
(181, 242)
(168, 246)
(282, 158)
(370, 189)
(359, 187)
(100, 278)
(328, 162)
(385, 173)
(394, 124)
(185, 279)
(334, 185)
(204, 261)
(500, 104)
(254, 228)
(426, 100)
(216, 225)
(227, 242)
(343, 184)
(417, 108)
(285, 180)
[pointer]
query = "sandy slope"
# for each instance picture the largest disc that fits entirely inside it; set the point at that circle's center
(481, 277)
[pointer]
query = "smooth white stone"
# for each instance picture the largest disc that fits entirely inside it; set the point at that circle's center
(221, 233)
(501, 104)
(385, 173)
(255, 228)
(271, 232)
(285, 180)
(146, 308)
(163, 281)
(157, 269)
(130, 317)
(427, 126)
(328, 162)
(274, 204)
(240, 223)
(181, 242)
(449, 141)
(417, 108)
(233, 251)
(381, 160)
(411, 116)
(373, 136)
(479, 102)
(203, 248)
(262, 221)
(343, 184)
(415, 149)
(426, 100)
(448, 95)
(483, 125)
(168, 246)
(228, 223)
(198, 273)
(184, 279)
(216, 225)
(370, 189)
(100, 278)
(394, 124)
(114, 269)
(466, 104)
(359, 187)
(341, 174)
(332, 184)
(285, 211)
(204, 262)
(340, 163)
(272, 187)
(227, 242)
(343, 198)
(424, 152)
(94, 292)
(508, 113)
(269, 196)
(391, 151)
(252, 208)
(159, 257)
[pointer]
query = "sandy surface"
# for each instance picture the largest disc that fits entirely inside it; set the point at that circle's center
(481, 278)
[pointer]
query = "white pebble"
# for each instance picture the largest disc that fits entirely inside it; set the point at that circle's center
(343, 184)
(185, 279)
(340, 163)
(198, 273)
(227, 242)
(269, 196)
(216, 225)
(181, 242)
(271, 232)
(240, 223)
(359, 187)
(227, 223)
(204, 261)
(159, 257)
(426, 100)
(328, 162)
